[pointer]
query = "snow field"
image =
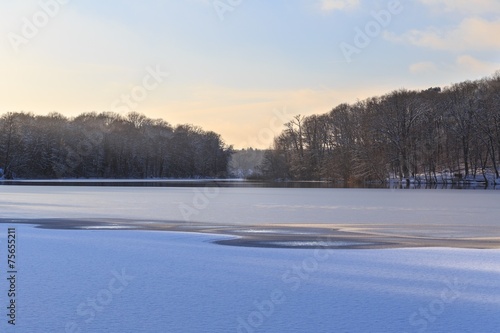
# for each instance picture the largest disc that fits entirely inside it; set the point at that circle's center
(181, 282)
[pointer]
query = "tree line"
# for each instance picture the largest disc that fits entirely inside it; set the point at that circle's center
(404, 134)
(107, 145)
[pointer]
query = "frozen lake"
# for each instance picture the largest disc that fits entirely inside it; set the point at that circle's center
(139, 281)
(242, 206)
(143, 281)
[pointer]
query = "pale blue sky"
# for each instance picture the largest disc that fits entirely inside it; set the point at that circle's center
(230, 75)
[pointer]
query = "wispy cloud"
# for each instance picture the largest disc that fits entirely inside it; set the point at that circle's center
(471, 64)
(471, 34)
(464, 64)
(464, 6)
(332, 5)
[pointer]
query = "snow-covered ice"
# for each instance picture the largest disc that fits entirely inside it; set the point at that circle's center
(253, 205)
(142, 281)
(139, 281)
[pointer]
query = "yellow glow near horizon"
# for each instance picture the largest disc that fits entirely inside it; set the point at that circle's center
(230, 72)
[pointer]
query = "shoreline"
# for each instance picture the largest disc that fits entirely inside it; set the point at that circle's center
(303, 236)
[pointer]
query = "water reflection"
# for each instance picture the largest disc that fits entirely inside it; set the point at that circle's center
(244, 183)
(449, 186)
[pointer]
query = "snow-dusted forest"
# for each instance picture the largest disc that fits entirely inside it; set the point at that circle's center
(107, 145)
(432, 136)
(435, 135)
